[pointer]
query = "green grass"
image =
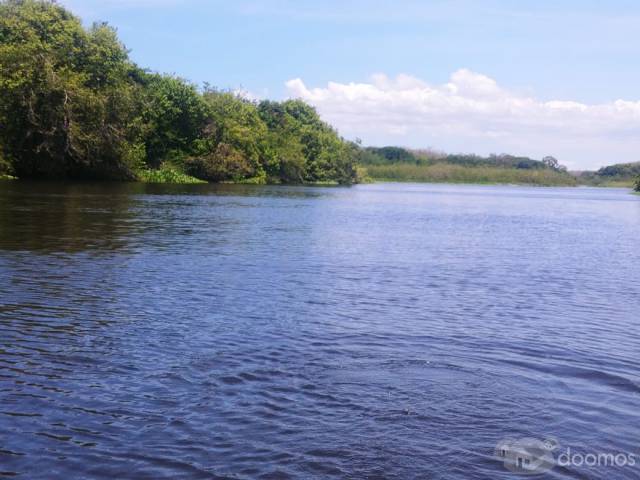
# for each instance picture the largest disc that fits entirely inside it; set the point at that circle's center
(166, 174)
(447, 173)
(612, 184)
(596, 180)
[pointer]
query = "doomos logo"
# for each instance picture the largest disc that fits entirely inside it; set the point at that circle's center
(527, 456)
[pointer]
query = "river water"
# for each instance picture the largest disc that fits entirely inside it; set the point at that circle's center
(390, 331)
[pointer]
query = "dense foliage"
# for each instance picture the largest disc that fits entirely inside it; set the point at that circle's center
(66, 102)
(618, 175)
(72, 104)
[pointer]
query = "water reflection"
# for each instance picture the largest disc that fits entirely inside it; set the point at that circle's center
(68, 218)
(59, 217)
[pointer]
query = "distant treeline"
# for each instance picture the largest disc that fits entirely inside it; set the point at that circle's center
(391, 155)
(400, 164)
(620, 174)
(72, 104)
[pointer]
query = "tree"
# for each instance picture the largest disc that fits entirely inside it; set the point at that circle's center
(233, 146)
(285, 156)
(327, 157)
(551, 162)
(72, 104)
(65, 100)
(174, 116)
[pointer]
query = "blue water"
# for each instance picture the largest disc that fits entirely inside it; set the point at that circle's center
(380, 331)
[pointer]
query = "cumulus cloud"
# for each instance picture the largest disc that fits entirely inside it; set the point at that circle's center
(472, 112)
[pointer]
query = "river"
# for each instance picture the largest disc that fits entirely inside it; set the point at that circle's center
(383, 331)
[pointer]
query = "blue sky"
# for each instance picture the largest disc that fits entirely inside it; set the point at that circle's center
(557, 67)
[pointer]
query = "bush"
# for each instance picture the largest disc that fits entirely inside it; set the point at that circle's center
(166, 174)
(224, 163)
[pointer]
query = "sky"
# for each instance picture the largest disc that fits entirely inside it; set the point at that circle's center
(524, 77)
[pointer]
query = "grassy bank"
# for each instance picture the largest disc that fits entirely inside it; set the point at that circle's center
(446, 173)
(625, 183)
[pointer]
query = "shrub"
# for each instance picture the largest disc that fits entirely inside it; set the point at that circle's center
(224, 163)
(166, 174)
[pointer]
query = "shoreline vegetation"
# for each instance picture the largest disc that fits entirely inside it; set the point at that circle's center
(428, 166)
(74, 106)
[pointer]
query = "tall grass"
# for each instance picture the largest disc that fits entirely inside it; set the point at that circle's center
(447, 173)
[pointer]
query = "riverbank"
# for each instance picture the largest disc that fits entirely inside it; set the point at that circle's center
(177, 178)
(397, 164)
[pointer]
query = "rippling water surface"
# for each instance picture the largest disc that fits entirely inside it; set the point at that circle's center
(380, 331)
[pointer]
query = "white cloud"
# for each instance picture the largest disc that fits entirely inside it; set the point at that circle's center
(472, 112)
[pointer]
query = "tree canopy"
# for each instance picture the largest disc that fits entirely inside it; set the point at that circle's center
(72, 104)
(620, 170)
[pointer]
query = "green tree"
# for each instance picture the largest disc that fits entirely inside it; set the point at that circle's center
(174, 116)
(234, 144)
(286, 159)
(306, 148)
(551, 162)
(73, 104)
(65, 99)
